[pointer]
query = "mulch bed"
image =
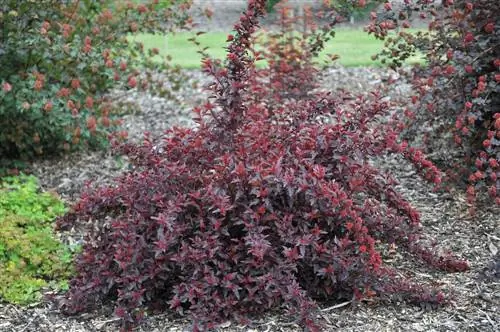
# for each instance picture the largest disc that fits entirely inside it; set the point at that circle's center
(475, 293)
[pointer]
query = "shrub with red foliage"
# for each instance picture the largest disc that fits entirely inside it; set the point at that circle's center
(457, 93)
(290, 69)
(289, 51)
(253, 209)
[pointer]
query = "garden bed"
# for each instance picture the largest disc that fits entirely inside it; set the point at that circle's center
(475, 293)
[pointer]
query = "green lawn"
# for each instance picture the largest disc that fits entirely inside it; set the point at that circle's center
(355, 47)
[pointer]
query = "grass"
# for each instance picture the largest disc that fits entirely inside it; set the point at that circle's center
(354, 46)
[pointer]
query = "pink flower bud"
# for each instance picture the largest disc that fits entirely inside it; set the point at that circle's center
(489, 28)
(132, 82)
(48, 106)
(469, 37)
(6, 87)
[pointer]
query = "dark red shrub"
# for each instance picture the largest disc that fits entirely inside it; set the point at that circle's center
(290, 71)
(253, 209)
(457, 92)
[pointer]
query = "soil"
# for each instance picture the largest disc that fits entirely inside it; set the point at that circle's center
(475, 293)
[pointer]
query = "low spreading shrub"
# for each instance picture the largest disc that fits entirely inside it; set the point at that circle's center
(253, 209)
(457, 92)
(31, 258)
(57, 62)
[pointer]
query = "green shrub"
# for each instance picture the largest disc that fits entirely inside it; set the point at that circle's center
(19, 196)
(161, 3)
(30, 256)
(57, 61)
(270, 5)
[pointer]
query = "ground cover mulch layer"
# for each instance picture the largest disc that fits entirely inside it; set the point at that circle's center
(475, 294)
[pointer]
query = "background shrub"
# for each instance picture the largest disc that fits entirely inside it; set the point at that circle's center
(270, 5)
(253, 209)
(457, 92)
(58, 60)
(30, 256)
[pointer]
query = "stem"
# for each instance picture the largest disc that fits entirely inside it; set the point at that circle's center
(77, 4)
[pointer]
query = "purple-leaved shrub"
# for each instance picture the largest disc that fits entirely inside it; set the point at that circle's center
(457, 92)
(254, 208)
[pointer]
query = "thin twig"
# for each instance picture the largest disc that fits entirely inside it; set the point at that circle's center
(340, 305)
(488, 318)
(104, 322)
(26, 326)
